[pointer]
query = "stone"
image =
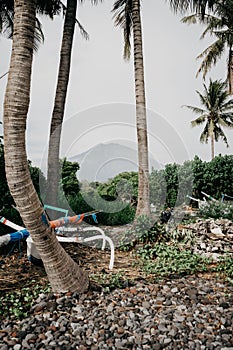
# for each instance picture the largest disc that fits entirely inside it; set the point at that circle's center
(17, 347)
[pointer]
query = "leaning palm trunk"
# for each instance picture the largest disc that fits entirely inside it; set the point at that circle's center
(59, 104)
(63, 273)
(143, 206)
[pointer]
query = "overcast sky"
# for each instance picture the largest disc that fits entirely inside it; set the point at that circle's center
(101, 85)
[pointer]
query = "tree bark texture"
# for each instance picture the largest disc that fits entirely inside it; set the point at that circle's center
(230, 72)
(53, 172)
(143, 206)
(63, 273)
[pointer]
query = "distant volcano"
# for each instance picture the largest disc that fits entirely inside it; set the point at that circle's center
(106, 160)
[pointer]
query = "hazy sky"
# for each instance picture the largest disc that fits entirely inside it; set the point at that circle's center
(102, 85)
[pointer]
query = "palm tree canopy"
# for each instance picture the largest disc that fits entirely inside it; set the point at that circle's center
(198, 6)
(217, 111)
(46, 7)
(43, 7)
(220, 25)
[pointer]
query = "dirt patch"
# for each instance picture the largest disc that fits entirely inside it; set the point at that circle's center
(17, 272)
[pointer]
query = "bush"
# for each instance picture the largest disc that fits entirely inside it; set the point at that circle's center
(122, 214)
(143, 231)
(218, 210)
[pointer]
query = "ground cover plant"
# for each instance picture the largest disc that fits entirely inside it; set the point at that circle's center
(155, 253)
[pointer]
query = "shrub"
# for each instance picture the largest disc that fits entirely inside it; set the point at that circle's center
(169, 260)
(218, 210)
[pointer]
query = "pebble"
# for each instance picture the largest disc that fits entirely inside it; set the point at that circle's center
(184, 313)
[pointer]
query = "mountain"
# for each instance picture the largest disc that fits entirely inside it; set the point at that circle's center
(106, 160)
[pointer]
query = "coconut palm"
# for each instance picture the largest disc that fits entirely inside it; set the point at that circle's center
(63, 273)
(216, 114)
(127, 15)
(42, 7)
(220, 25)
(59, 103)
(53, 173)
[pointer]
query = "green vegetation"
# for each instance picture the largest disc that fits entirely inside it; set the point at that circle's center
(165, 260)
(215, 113)
(144, 231)
(110, 281)
(17, 304)
(168, 188)
(217, 210)
(225, 267)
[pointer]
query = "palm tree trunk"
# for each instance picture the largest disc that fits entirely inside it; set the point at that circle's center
(63, 273)
(53, 173)
(212, 146)
(143, 206)
(230, 72)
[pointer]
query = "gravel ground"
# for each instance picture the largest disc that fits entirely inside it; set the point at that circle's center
(192, 312)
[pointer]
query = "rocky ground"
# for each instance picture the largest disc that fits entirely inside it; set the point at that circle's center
(180, 312)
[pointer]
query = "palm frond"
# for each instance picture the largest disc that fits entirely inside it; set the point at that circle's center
(200, 120)
(205, 135)
(6, 22)
(183, 6)
(122, 15)
(38, 35)
(196, 110)
(191, 19)
(226, 121)
(204, 98)
(82, 30)
(213, 24)
(49, 8)
(211, 55)
(219, 134)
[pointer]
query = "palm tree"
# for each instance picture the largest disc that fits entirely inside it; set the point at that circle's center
(216, 114)
(53, 172)
(59, 103)
(63, 273)
(127, 15)
(220, 24)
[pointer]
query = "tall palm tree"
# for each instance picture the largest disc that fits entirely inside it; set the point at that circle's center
(127, 15)
(59, 103)
(216, 114)
(63, 273)
(53, 172)
(220, 25)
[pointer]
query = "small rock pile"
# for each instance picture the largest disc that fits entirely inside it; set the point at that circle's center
(211, 238)
(185, 313)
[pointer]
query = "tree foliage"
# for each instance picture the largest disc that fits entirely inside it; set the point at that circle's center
(168, 187)
(216, 113)
(69, 180)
